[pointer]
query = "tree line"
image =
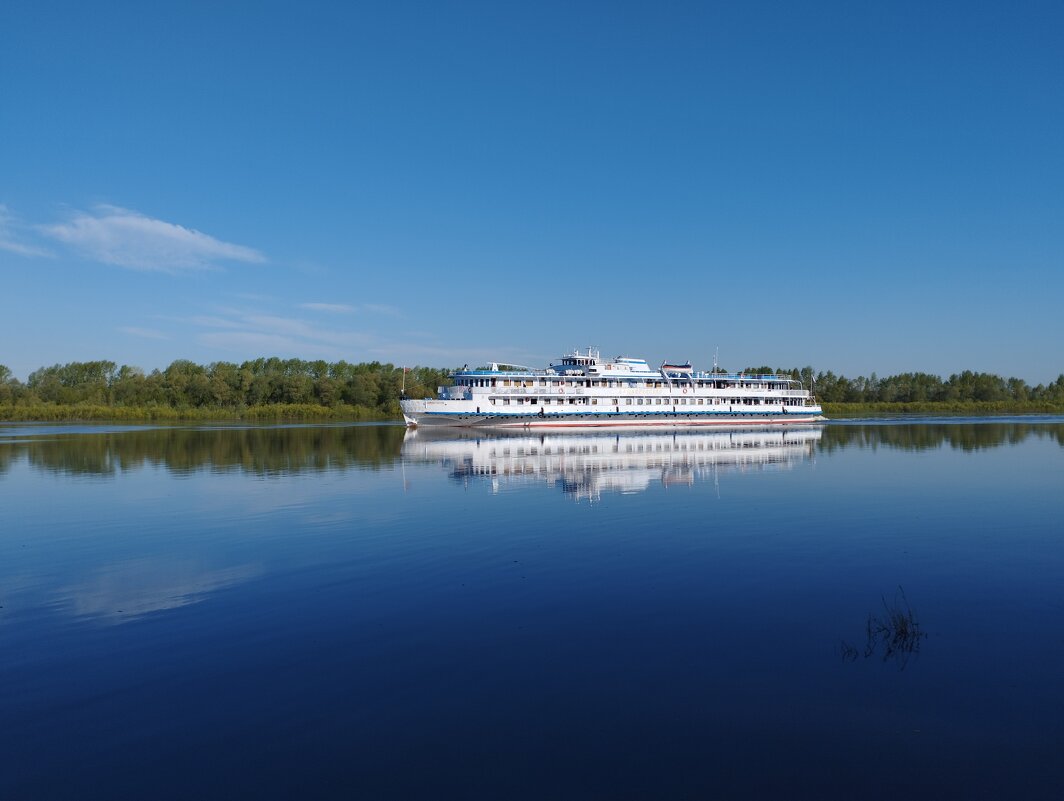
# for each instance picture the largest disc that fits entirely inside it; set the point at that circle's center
(964, 387)
(373, 388)
(184, 385)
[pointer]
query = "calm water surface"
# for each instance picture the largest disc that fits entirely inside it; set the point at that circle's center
(358, 612)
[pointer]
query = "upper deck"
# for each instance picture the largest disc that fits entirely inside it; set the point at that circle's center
(623, 368)
(587, 374)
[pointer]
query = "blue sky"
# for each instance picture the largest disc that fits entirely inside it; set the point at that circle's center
(857, 186)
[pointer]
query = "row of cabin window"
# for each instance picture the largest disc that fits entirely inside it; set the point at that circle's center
(642, 401)
(610, 383)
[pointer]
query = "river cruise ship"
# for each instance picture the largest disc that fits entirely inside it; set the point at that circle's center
(585, 390)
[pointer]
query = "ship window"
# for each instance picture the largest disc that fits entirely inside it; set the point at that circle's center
(505, 401)
(627, 401)
(594, 401)
(614, 401)
(640, 401)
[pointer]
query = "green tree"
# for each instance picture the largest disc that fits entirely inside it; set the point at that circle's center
(185, 383)
(129, 387)
(74, 382)
(226, 384)
(10, 387)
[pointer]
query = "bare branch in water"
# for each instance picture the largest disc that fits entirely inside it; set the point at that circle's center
(896, 635)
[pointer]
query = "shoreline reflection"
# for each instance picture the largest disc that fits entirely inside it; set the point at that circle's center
(271, 451)
(266, 451)
(586, 465)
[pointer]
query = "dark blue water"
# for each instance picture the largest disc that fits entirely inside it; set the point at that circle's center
(349, 611)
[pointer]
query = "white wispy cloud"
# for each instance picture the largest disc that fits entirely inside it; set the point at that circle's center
(12, 236)
(208, 321)
(382, 308)
(254, 297)
(125, 238)
(350, 308)
(249, 330)
(143, 333)
(332, 308)
(259, 342)
(127, 590)
(412, 352)
(281, 325)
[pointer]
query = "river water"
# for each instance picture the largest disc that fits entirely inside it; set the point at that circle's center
(870, 610)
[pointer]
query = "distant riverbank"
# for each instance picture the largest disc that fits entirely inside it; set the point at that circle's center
(272, 413)
(967, 408)
(309, 412)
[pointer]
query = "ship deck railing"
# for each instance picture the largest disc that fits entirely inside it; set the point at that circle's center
(624, 375)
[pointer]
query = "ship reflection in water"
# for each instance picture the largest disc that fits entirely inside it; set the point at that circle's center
(587, 465)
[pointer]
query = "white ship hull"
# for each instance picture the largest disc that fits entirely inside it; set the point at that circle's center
(421, 414)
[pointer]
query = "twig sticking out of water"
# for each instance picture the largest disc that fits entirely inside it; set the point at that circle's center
(849, 651)
(896, 634)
